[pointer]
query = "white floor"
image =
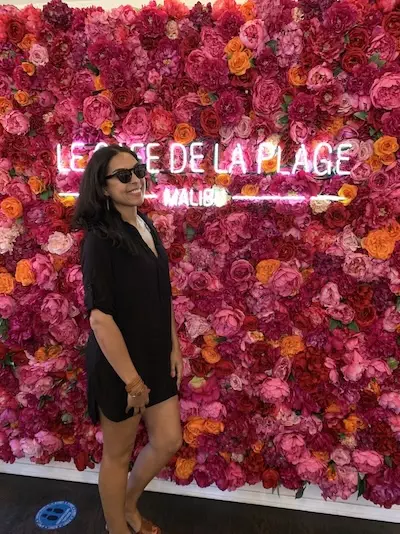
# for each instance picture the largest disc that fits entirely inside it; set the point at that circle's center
(310, 502)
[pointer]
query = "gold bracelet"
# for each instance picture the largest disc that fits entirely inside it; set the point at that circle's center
(135, 384)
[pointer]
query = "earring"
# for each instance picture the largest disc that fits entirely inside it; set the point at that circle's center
(108, 203)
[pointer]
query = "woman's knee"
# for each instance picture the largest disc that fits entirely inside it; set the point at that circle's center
(170, 443)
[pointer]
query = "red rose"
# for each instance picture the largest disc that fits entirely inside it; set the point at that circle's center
(286, 251)
(270, 478)
(365, 316)
(359, 38)
(254, 463)
(194, 218)
(246, 80)
(162, 123)
(210, 122)
(250, 323)
(245, 404)
(362, 297)
(3, 352)
(123, 98)
(352, 58)
(224, 368)
(176, 253)
(337, 216)
(186, 86)
(391, 23)
(15, 31)
(54, 210)
(19, 358)
(200, 367)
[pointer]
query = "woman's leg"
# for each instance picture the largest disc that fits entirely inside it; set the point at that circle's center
(119, 440)
(165, 439)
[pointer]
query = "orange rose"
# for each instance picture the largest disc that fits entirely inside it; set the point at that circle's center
(24, 274)
(205, 97)
(223, 180)
(98, 84)
(374, 387)
(41, 355)
(226, 456)
(389, 159)
(248, 10)
(210, 355)
(211, 340)
(213, 427)
(29, 68)
(36, 184)
(184, 133)
(107, 127)
(353, 423)
(12, 208)
(184, 467)
(107, 94)
(190, 438)
(250, 190)
(195, 425)
(234, 45)
(54, 351)
(379, 244)
(349, 192)
(22, 98)
(393, 229)
(6, 284)
(5, 106)
(331, 473)
(334, 126)
(291, 345)
(27, 42)
(375, 163)
(333, 408)
(266, 269)
(297, 76)
(385, 146)
(257, 447)
(239, 63)
(270, 165)
(321, 456)
(58, 262)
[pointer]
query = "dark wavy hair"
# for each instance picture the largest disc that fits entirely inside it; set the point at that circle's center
(93, 213)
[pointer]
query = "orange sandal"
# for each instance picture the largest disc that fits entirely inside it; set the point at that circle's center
(148, 528)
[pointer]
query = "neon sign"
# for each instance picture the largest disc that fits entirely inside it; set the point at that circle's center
(322, 161)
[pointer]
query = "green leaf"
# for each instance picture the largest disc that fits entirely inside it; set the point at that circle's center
(284, 120)
(376, 58)
(46, 195)
(80, 116)
(372, 131)
(93, 68)
(3, 328)
(220, 339)
(363, 115)
(288, 99)
(353, 326)
(67, 418)
(190, 233)
(398, 304)
(32, 133)
(347, 39)
(273, 45)
(13, 173)
(337, 71)
(388, 461)
(361, 487)
(300, 492)
(392, 363)
(335, 324)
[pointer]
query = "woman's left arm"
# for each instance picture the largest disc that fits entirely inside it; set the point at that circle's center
(176, 355)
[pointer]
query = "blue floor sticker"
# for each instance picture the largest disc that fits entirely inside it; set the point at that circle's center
(56, 515)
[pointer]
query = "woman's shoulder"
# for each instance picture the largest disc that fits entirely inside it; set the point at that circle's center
(94, 240)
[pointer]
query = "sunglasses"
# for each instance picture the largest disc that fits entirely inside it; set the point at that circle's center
(125, 175)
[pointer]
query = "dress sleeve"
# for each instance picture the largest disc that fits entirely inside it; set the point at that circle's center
(97, 274)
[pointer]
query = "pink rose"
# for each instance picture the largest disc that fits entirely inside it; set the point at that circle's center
(44, 271)
(266, 96)
(74, 275)
(347, 240)
(311, 469)
(342, 312)
(391, 319)
(97, 109)
(136, 125)
(387, 5)
(241, 271)
(5, 180)
(244, 128)
(66, 332)
(188, 409)
(196, 326)
(31, 448)
(292, 445)
(355, 367)
(299, 132)
(38, 55)
(390, 401)
(59, 243)
(235, 476)
(21, 190)
(164, 225)
(15, 123)
(214, 410)
(286, 281)
(228, 322)
(8, 306)
(329, 295)
(341, 456)
(274, 390)
(54, 308)
(50, 443)
(319, 77)
(282, 368)
(213, 42)
(200, 281)
(236, 383)
(237, 226)
(378, 369)
(15, 445)
(384, 45)
(252, 34)
(368, 462)
(385, 91)
(394, 422)
(358, 266)
(186, 106)
(360, 172)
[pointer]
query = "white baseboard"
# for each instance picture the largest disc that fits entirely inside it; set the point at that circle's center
(310, 502)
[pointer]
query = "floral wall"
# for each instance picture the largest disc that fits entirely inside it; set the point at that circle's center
(288, 311)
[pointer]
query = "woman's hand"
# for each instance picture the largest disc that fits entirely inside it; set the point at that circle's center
(176, 365)
(138, 402)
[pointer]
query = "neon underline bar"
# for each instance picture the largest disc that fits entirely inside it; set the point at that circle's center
(258, 198)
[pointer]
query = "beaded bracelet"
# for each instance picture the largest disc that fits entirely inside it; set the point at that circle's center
(135, 388)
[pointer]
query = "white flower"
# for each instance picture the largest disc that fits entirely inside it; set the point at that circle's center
(59, 243)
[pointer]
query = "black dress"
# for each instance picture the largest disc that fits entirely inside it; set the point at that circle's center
(136, 291)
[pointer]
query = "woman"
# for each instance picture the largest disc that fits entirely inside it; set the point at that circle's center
(134, 363)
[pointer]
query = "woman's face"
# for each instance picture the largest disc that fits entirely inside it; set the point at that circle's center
(130, 194)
